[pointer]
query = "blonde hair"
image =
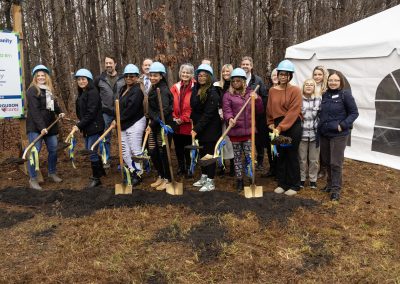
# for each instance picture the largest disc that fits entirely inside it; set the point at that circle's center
(324, 84)
(314, 83)
(243, 93)
(222, 80)
(48, 83)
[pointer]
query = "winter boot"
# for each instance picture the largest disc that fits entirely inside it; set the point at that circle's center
(33, 183)
(97, 173)
(135, 178)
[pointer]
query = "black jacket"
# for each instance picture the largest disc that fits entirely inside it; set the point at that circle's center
(167, 101)
(130, 106)
(262, 91)
(206, 120)
(38, 116)
(88, 110)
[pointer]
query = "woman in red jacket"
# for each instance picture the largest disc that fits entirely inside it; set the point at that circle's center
(182, 91)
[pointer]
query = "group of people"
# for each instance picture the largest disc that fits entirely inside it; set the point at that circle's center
(197, 109)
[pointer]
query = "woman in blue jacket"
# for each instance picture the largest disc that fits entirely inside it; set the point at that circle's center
(338, 112)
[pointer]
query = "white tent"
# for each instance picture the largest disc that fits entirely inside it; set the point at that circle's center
(368, 54)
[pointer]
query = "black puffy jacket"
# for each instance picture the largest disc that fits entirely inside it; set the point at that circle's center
(130, 106)
(167, 102)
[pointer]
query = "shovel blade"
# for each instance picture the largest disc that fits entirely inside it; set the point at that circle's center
(140, 158)
(174, 188)
(193, 147)
(207, 160)
(123, 189)
(253, 191)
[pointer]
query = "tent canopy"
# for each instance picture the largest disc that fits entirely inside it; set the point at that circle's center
(375, 36)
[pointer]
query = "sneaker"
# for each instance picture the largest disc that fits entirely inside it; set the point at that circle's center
(208, 186)
(55, 178)
(335, 196)
(201, 181)
(290, 192)
(106, 165)
(157, 182)
(33, 183)
(313, 185)
(279, 190)
(302, 184)
(163, 185)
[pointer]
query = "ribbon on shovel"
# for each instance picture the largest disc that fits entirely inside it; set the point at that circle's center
(127, 176)
(165, 129)
(71, 149)
(194, 155)
(34, 158)
(274, 149)
(247, 167)
(221, 154)
(103, 151)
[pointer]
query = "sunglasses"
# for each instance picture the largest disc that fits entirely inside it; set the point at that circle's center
(130, 76)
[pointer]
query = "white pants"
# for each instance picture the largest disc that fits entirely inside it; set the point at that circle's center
(308, 158)
(132, 143)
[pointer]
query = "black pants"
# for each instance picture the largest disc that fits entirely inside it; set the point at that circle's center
(288, 167)
(208, 148)
(182, 154)
(271, 159)
(261, 137)
(332, 156)
(158, 154)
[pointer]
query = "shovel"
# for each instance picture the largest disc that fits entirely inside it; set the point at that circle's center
(28, 149)
(210, 159)
(142, 156)
(193, 146)
(120, 188)
(253, 190)
(173, 187)
(91, 150)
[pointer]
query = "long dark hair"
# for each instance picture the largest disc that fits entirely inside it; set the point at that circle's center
(88, 87)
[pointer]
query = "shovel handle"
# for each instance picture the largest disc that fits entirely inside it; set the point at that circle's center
(102, 136)
(166, 138)
(70, 134)
(38, 138)
(234, 119)
(121, 160)
(146, 136)
(253, 137)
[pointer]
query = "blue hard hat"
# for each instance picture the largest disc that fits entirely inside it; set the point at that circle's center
(157, 67)
(205, 67)
(285, 65)
(238, 72)
(84, 73)
(131, 69)
(40, 68)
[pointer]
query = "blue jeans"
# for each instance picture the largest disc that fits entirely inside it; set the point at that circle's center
(51, 144)
(89, 141)
(107, 144)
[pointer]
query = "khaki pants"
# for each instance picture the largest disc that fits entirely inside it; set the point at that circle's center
(309, 160)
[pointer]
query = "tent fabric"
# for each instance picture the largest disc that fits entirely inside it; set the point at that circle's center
(375, 36)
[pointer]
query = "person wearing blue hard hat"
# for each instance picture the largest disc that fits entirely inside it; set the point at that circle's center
(284, 118)
(157, 147)
(43, 110)
(91, 123)
(240, 134)
(109, 84)
(206, 121)
(133, 121)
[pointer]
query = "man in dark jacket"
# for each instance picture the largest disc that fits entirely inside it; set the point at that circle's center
(252, 81)
(108, 84)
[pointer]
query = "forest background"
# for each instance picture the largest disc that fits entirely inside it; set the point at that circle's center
(71, 34)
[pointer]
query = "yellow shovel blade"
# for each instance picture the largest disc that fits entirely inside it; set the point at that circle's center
(123, 189)
(253, 191)
(174, 188)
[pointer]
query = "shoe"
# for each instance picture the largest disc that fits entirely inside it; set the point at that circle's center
(201, 181)
(135, 179)
(163, 185)
(279, 190)
(302, 184)
(290, 192)
(33, 183)
(313, 185)
(239, 185)
(55, 178)
(335, 196)
(106, 165)
(326, 189)
(157, 182)
(208, 186)
(94, 182)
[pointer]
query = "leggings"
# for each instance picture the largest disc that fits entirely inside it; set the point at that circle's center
(158, 153)
(238, 148)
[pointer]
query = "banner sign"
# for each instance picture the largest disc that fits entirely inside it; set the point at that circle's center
(11, 96)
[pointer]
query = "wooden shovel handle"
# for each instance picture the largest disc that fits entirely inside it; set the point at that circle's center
(166, 136)
(234, 119)
(146, 136)
(117, 116)
(253, 137)
(102, 136)
(38, 138)
(70, 134)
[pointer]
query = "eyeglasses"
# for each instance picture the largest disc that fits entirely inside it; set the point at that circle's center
(309, 85)
(236, 81)
(333, 80)
(130, 76)
(283, 74)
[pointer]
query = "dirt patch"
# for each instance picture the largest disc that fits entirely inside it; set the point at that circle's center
(11, 218)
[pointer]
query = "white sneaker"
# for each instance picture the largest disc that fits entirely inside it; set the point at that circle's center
(201, 181)
(208, 186)
(279, 190)
(290, 192)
